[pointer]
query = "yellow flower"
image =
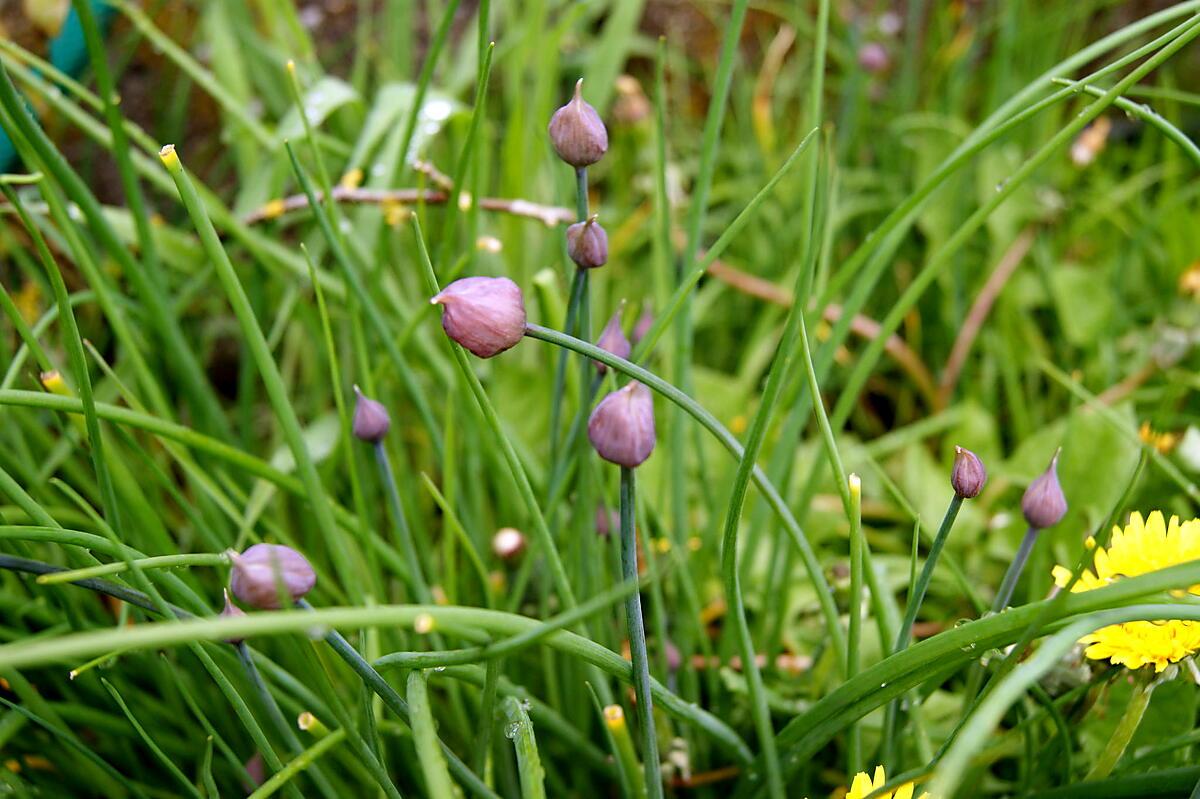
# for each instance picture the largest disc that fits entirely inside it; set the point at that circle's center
(1143, 546)
(863, 785)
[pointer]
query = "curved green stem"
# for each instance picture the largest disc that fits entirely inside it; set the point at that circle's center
(158, 562)
(637, 638)
(729, 442)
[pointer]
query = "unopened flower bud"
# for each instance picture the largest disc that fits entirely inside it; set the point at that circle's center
(577, 133)
(612, 340)
(265, 571)
(256, 770)
(508, 542)
(607, 520)
(873, 57)
(587, 244)
(371, 420)
(644, 322)
(621, 428)
(968, 474)
(1044, 504)
(231, 611)
(484, 314)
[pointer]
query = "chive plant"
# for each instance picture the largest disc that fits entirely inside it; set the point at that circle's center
(497, 612)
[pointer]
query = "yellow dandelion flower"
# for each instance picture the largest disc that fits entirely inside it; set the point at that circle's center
(1145, 545)
(863, 785)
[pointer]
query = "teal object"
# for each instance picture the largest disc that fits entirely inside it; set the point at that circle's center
(68, 52)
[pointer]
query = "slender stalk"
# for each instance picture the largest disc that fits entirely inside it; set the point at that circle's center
(1009, 584)
(305, 759)
(627, 761)
(916, 597)
(157, 562)
(729, 442)
(637, 638)
(416, 575)
(1143, 687)
(854, 631)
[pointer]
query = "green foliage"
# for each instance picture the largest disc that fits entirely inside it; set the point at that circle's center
(209, 312)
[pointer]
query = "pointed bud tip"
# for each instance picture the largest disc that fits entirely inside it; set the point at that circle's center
(968, 475)
(1044, 504)
(621, 428)
(486, 315)
(587, 244)
(577, 132)
(371, 420)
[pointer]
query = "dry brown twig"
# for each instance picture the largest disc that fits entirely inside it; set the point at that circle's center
(549, 215)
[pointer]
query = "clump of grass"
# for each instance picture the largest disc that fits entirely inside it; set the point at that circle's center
(851, 243)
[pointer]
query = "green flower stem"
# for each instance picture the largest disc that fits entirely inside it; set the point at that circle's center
(1009, 584)
(637, 637)
(854, 631)
(576, 322)
(545, 540)
(158, 562)
(487, 717)
(916, 597)
(1143, 688)
(416, 574)
(730, 443)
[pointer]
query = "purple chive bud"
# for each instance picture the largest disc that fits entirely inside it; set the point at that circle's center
(508, 542)
(371, 420)
(607, 520)
(1044, 504)
(577, 133)
(968, 475)
(587, 244)
(484, 314)
(621, 427)
(873, 57)
(612, 339)
(643, 325)
(231, 611)
(264, 571)
(674, 657)
(257, 770)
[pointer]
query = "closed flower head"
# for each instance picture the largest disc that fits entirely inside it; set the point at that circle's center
(484, 314)
(371, 420)
(577, 133)
(587, 244)
(231, 611)
(612, 339)
(621, 427)
(266, 572)
(968, 474)
(1044, 504)
(508, 543)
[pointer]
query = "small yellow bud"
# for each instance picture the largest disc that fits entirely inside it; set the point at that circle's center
(423, 624)
(614, 718)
